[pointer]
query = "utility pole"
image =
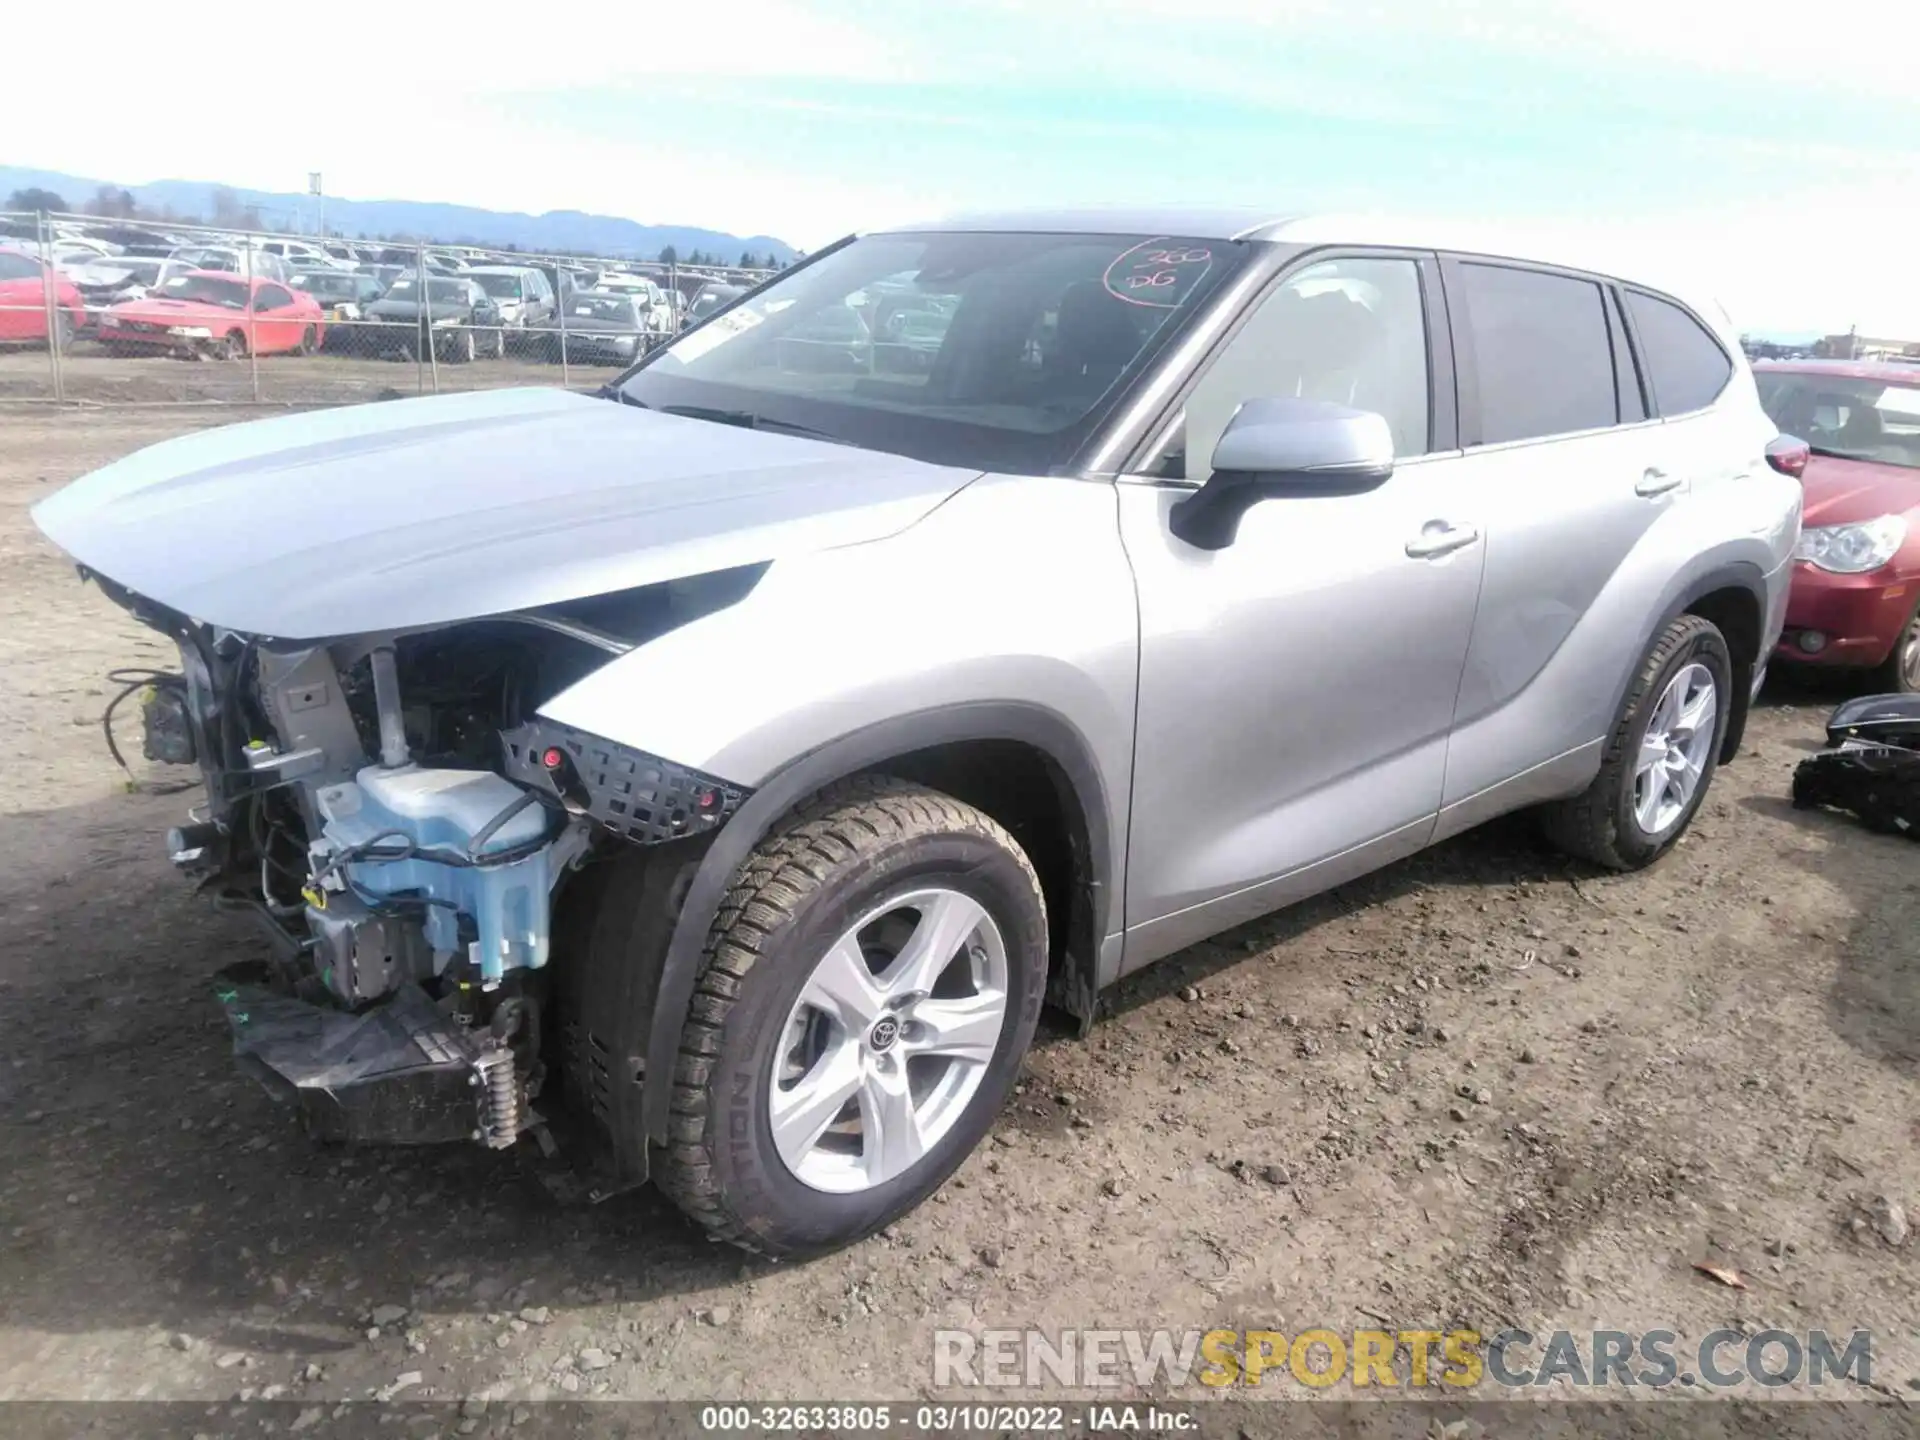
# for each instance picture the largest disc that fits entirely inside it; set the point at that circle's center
(315, 189)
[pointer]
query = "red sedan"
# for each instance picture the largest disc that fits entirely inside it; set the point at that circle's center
(208, 312)
(1856, 586)
(23, 301)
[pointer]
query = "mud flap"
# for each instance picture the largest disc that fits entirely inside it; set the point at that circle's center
(399, 1074)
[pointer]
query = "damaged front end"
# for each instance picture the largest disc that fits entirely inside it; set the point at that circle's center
(403, 826)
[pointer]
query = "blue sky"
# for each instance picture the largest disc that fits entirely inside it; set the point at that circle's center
(1783, 147)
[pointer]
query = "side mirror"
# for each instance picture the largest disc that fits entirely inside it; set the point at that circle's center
(1279, 447)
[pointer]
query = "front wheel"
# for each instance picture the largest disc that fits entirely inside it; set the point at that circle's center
(234, 346)
(869, 987)
(309, 341)
(1661, 756)
(1900, 673)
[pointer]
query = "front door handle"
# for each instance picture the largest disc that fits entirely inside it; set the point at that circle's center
(1657, 482)
(1437, 538)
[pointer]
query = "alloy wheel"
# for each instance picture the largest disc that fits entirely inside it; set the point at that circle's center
(889, 1040)
(1674, 750)
(1909, 653)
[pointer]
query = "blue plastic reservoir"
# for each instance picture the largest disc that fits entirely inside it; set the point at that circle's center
(443, 810)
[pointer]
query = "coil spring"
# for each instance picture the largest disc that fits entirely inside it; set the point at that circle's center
(500, 1099)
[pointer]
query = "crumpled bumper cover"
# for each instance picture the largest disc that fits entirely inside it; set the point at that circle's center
(398, 1074)
(639, 797)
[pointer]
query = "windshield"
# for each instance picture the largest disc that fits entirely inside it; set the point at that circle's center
(18, 267)
(324, 284)
(604, 307)
(708, 301)
(1855, 419)
(501, 287)
(206, 288)
(438, 290)
(997, 351)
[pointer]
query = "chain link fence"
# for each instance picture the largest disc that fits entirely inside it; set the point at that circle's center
(115, 312)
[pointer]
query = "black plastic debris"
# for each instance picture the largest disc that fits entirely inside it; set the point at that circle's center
(1871, 766)
(399, 1073)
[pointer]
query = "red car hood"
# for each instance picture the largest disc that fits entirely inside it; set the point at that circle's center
(1840, 492)
(34, 292)
(175, 312)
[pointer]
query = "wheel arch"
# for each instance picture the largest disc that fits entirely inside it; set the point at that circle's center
(989, 754)
(1733, 596)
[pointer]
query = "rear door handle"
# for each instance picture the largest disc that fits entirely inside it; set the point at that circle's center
(1437, 538)
(1657, 482)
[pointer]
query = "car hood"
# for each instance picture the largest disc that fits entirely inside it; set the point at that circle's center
(176, 312)
(410, 310)
(411, 513)
(1841, 492)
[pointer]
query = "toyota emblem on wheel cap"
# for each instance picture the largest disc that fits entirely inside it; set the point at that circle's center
(885, 1031)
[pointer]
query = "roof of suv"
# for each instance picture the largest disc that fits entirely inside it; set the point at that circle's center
(1568, 248)
(1892, 372)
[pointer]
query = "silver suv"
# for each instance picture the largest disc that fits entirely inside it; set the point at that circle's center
(967, 618)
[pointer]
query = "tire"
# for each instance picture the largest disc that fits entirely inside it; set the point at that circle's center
(1899, 673)
(1605, 824)
(499, 350)
(62, 337)
(309, 341)
(233, 346)
(848, 854)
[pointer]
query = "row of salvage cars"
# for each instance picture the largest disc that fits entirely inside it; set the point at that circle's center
(186, 306)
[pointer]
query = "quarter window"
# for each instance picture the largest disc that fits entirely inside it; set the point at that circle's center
(1541, 352)
(1686, 364)
(1348, 331)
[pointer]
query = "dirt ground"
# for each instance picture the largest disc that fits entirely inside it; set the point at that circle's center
(1477, 1089)
(89, 376)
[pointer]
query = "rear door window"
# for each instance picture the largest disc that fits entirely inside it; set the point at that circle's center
(1685, 363)
(1541, 347)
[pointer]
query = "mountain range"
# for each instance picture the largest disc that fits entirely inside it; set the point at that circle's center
(558, 231)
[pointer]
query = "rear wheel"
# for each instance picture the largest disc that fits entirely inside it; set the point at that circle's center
(1661, 756)
(1900, 672)
(869, 988)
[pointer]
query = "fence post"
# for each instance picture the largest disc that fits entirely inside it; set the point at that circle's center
(50, 302)
(560, 304)
(252, 329)
(430, 358)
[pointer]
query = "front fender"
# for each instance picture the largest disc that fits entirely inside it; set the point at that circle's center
(1006, 614)
(700, 895)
